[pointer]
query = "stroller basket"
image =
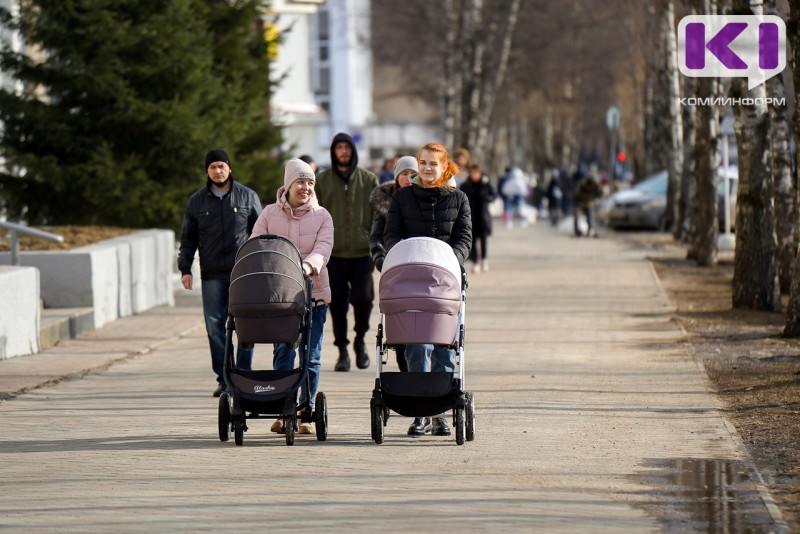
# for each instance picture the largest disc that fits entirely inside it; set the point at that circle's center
(267, 293)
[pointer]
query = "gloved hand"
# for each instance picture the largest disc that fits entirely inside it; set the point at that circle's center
(379, 262)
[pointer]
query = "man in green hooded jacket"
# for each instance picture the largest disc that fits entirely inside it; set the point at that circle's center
(344, 191)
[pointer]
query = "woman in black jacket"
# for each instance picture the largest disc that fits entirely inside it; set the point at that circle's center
(480, 194)
(431, 207)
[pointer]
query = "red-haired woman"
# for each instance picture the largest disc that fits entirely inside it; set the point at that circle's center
(431, 207)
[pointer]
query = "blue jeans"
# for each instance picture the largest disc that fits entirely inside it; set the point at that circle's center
(283, 354)
(215, 311)
(426, 358)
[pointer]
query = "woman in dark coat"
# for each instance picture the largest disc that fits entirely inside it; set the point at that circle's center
(480, 194)
(381, 199)
(431, 207)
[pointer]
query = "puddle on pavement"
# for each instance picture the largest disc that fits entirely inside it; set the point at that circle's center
(702, 495)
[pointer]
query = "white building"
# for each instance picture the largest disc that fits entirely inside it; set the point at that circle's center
(326, 84)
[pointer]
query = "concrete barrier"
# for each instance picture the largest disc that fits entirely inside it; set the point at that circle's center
(116, 277)
(19, 311)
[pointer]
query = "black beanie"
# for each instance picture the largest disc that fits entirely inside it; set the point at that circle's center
(217, 155)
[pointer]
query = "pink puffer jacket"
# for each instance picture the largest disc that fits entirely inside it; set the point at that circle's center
(310, 228)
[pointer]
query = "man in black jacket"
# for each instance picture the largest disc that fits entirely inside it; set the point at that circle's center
(218, 219)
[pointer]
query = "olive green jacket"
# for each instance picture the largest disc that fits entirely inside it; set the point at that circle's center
(349, 206)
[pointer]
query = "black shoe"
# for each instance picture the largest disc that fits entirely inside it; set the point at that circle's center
(419, 427)
(362, 358)
(440, 427)
(219, 390)
(343, 363)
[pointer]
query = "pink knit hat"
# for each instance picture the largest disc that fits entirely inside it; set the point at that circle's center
(296, 169)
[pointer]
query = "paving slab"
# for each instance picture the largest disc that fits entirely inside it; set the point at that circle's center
(591, 415)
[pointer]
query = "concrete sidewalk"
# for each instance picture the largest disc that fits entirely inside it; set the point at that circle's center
(591, 415)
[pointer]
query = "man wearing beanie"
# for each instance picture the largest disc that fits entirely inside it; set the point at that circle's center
(344, 191)
(218, 219)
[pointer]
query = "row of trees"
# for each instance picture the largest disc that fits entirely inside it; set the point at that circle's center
(117, 101)
(766, 261)
(536, 78)
(523, 82)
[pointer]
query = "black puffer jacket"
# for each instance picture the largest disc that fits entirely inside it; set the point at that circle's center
(421, 212)
(380, 199)
(217, 227)
(480, 194)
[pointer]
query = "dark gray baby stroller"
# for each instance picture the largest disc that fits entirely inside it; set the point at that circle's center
(422, 300)
(270, 302)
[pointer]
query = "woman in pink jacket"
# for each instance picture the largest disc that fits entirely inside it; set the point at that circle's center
(297, 216)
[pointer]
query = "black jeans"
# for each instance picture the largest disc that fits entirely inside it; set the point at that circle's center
(473, 254)
(351, 283)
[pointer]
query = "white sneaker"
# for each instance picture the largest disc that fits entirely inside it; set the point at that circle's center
(476, 268)
(485, 265)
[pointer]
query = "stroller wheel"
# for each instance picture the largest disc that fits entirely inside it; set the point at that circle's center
(238, 429)
(224, 417)
(377, 423)
(470, 422)
(460, 426)
(321, 417)
(289, 424)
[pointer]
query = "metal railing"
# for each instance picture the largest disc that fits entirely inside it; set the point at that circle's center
(17, 229)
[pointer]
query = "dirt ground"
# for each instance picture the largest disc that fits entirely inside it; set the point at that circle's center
(74, 236)
(754, 370)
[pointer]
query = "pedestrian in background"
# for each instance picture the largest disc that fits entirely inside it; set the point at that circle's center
(463, 160)
(587, 191)
(554, 198)
(308, 159)
(297, 216)
(386, 175)
(515, 189)
(381, 199)
(431, 207)
(480, 194)
(219, 217)
(344, 190)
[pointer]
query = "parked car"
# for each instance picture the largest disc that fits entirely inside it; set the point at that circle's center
(644, 205)
(641, 206)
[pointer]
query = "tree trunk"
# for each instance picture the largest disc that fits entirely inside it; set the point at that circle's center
(494, 83)
(474, 14)
(755, 274)
(675, 157)
(792, 326)
(656, 106)
(685, 230)
(451, 67)
(704, 207)
(785, 195)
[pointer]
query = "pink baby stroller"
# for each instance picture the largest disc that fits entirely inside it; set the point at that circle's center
(422, 300)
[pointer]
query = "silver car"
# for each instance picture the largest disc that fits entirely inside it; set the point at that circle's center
(644, 205)
(641, 206)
